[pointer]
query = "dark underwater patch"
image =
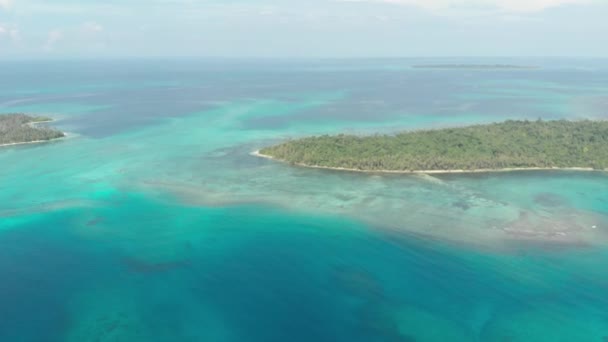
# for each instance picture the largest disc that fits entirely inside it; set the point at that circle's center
(549, 199)
(141, 266)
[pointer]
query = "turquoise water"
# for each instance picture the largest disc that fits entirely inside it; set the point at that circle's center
(152, 222)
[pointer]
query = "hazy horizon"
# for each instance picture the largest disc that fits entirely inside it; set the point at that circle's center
(270, 29)
(411, 59)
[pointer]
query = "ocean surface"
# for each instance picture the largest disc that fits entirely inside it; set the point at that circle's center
(152, 221)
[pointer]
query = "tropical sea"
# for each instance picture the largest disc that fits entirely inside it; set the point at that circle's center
(152, 221)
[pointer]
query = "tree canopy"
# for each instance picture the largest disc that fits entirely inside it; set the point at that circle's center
(510, 144)
(20, 128)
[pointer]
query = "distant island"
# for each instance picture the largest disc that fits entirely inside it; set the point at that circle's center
(506, 146)
(19, 128)
(473, 66)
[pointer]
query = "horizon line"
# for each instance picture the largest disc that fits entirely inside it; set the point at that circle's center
(274, 58)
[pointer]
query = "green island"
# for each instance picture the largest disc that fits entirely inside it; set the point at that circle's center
(19, 128)
(506, 146)
(473, 66)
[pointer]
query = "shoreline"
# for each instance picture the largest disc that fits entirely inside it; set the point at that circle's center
(513, 169)
(35, 141)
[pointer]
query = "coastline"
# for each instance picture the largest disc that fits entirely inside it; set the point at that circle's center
(513, 169)
(35, 141)
(34, 123)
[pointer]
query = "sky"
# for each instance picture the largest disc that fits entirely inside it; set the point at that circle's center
(40, 29)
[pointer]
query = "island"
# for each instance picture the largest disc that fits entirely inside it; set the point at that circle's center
(474, 66)
(506, 146)
(19, 128)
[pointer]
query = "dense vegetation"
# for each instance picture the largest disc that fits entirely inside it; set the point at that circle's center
(20, 128)
(511, 144)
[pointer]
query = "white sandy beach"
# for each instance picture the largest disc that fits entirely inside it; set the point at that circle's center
(34, 142)
(587, 169)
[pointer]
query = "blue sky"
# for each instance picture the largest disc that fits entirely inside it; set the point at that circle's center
(302, 28)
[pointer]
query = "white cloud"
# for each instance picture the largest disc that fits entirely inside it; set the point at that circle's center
(6, 4)
(10, 32)
(502, 5)
(83, 36)
(53, 37)
(14, 34)
(92, 27)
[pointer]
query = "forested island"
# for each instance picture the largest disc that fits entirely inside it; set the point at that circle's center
(473, 66)
(19, 128)
(510, 145)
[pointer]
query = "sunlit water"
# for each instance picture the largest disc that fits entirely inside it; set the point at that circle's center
(152, 221)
